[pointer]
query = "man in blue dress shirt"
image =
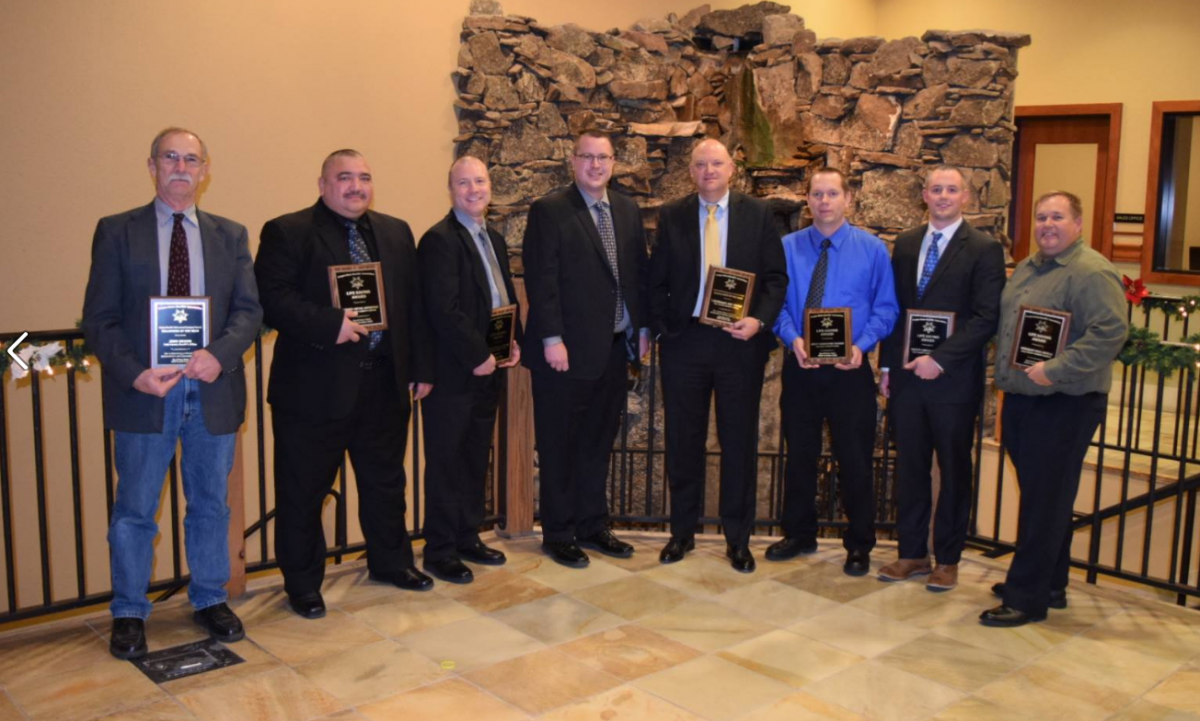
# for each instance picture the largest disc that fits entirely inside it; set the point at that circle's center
(832, 264)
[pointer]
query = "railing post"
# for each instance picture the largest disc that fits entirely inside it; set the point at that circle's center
(519, 452)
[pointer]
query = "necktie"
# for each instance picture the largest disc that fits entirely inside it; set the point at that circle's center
(359, 254)
(609, 239)
(179, 271)
(816, 286)
(492, 264)
(931, 261)
(712, 240)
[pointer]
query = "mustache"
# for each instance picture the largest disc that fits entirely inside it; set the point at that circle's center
(355, 194)
(180, 176)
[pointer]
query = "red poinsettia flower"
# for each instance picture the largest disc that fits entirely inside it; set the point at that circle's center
(1135, 290)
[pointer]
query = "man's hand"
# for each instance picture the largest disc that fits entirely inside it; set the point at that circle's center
(514, 356)
(486, 368)
(855, 360)
(925, 367)
(885, 388)
(157, 381)
(801, 355)
(556, 356)
(420, 390)
(1037, 374)
(203, 366)
(351, 331)
(744, 329)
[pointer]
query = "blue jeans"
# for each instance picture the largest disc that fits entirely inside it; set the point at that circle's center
(142, 461)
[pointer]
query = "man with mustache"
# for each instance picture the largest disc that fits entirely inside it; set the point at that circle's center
(585, 272)
(465, 276)
(1053, 407)
(832, 264)
(171, 248)
(336, 386)
(713, 227)
(945, 265)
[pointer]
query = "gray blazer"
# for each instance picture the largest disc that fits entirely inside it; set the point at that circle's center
(116, 316)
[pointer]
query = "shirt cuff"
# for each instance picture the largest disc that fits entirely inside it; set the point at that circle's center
(552, 340)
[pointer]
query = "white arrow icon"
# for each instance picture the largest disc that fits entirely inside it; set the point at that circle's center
(12, 351)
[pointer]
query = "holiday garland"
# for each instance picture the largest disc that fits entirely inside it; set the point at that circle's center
(1144, 347)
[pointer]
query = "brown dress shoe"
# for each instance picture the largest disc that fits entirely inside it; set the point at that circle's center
(943, 578)
(903, 569)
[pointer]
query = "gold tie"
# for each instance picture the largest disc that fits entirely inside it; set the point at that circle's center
(712, 239)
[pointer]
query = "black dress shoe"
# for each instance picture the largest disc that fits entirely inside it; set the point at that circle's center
(1007, 617)
(307, 605)
(857, 563)
(608, 544)
(450, 569)
(1058, 599)
(790, 548)
(221, 623)
(676, 548)
(566, 552)
(740, 558)
(410, 579)
(128, 640)
(479, 553)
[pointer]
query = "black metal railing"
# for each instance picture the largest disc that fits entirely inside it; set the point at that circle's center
(29, 492)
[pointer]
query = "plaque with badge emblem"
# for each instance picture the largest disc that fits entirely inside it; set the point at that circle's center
(727, 296)
(924, 331)
(179, 326)
(501, 327)
(359, 288)
(1041, 335)
(827, 338)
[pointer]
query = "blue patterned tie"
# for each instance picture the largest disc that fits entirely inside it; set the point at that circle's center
(609, 238)
(816, 286)
(931, 261)
(359, 254)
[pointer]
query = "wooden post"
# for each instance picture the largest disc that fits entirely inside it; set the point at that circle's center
(237, 524)
(519, 453)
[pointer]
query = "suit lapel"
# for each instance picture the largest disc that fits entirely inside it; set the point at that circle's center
(382, 246)
(333, 236)
(691, 224)
(210, 242)
(143, 241)
(734, 251)
(952, 249)
(587, 220)
(478, 271)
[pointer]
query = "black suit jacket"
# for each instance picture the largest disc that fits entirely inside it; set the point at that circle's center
(753, 244)
(968, 280)
(572, 291)
(311, 375)
(116, 316)
(458, 300)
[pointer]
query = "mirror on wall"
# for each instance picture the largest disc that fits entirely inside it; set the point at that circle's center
(1173, 195)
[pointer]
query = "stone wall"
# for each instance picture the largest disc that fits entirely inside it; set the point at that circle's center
(784, 102)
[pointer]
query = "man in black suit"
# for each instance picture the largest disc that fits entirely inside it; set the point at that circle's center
(585, 273)
(945, 265)
(337, 387)
(714, 227)
(464, 276)
(171, 248)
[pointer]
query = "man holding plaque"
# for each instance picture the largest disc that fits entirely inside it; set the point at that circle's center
(948, 282)
(1052, 407)
(156, 399)
(714, 236)
(834, 269)
(585, 273)
(336, 385)
(465, 279)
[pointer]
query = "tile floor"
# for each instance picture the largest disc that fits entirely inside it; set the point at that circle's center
(629, 640)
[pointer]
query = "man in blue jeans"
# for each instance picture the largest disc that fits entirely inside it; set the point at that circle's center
(171, 248)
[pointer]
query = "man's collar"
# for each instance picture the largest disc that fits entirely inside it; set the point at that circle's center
(949, 231)
(362, 220)
(836, 238)
(166, 214)
(589, 200)
(723, 203)
(1064, 258)
(467, 222)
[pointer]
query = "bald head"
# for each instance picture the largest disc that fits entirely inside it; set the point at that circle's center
(470, 187)
(711, 169)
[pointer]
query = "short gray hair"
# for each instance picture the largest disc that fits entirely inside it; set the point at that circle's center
(171, 131)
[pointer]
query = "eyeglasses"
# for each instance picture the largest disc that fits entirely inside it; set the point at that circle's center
(590, 158)
(192, 161)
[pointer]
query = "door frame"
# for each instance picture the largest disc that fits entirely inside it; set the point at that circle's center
(1153, 179)
(1021, 212)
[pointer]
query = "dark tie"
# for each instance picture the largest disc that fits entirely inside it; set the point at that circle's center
(179, 270)
(609, 238)
(492, 264)
(359, 254)
(816, 286)
(931, 261)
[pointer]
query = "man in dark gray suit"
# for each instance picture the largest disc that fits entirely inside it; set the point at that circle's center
(171, 248)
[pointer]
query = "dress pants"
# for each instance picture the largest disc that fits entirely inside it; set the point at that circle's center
(458, 430)
(308, 454)
(920, 429)
(1047, 438)
(575, 422)
(697, 364)
(847, 400)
